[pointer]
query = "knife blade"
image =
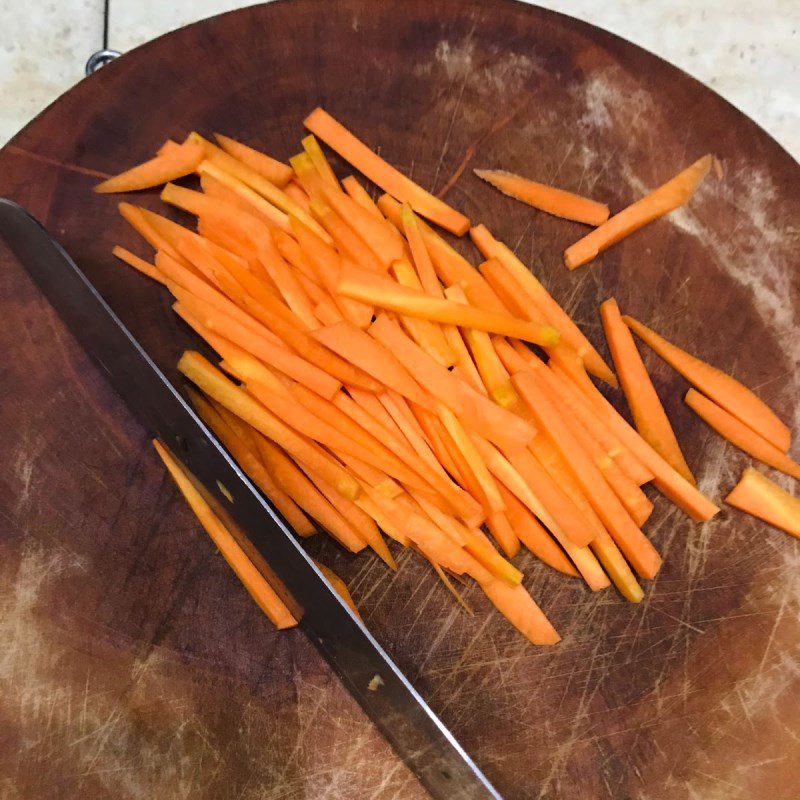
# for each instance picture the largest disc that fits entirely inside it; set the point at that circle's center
(416, 734)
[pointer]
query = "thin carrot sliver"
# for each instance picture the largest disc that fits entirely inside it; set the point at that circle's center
(503, 533)
(175, 163)
(139, 264)
(671, 195)
(648, 413)
(361, 196)
(757, 495)
(519, 608)
(294, 190)
(336, 136)
(274, 171)
(346, 239)
(719, 386)
(314, 152)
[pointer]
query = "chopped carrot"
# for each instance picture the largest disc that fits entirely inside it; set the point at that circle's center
(306, 174)
(373, 358)
(518, 607)
(757, 495)
(339, 586)
(360, 195)
(500, 527)
(648, 413)
(378, 480)
(546, 198)
(139, 264)
(433, 429)
(385, 294)
(198, 370)
(419, 252)
(348, 242)
(314, 152)
(294, 190)
(175, 163)
(740, 435)
(537, 297)
(636, 547)
(385, 522)
(673, 194)
(294, 255)
(355, 152)
(274, 171)
(256, 584)
(720, 387)
(135, 217)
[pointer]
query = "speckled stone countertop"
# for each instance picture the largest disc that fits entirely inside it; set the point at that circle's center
(748, 52)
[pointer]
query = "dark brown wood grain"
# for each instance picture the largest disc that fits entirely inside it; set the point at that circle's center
(132, 662)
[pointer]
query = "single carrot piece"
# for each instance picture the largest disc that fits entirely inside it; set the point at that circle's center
(433, 429)
(519, 608)
(175, 163)
(648, 413)
(379, 480)
(419, 252)
(534, 536)
(294, 255)
(314, 152)
(297, 485)
(636, 547)
(347, 240)
(386, 294)
(336, 136)
(667, 480)
(274, 171)
(447, 523)
(481, 549)
(491, 370)
(135, 217)
(251, 463)
(428, 335)
(378, 234)
(198, 370)
(339, 586)
(502, 532)
(360, 195)
(740, 435)
(307, 175)
(671, 195)
(256, 584)
(294, 190)
(373, 358)
(720, 387)
(381, 517)
(139, 264)
(554, 201)
(214, 229)
(757, 495)
(535, 296)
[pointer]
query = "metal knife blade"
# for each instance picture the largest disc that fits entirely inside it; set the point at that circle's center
(396, 708)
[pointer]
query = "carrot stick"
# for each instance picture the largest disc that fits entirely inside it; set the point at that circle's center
(432, 428)
(380, 481)
(537, 297)
(198, 370)
(347, 241)
(339, 585)
(554, 201)
(720, 387)
(275, 172)
(135, 217)
(256, 584)
(384, 521)
(335, 135)
(360, 195)
(499, 526)
(298, 486)
(314, 152)
(534, 536)
(636, 547)
(739, 435)
(757, 495)
(648, 413)
(251, 463)
(168, 166)
(294, 255)
(671, 195)
(294, 190)
(139, 264)
(373, 358)
(419, 252)
(519, 608)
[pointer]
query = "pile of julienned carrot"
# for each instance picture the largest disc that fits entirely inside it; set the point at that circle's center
(371, 381)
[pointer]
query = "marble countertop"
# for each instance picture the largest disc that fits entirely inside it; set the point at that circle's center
(748, 52)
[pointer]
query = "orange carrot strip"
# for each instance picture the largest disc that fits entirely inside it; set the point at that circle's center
(757, 495)
(385, 294)
(298, 486)
(379, 235)
(448, 524)
(294, 255)
(531, 533)
(519, 608)
(636, 547)
(451, 266)
(314, 152)
(347, 240)
(335, 135)
(385, 522)
(546, 198)
(360, 195)
(373, 358)
(379, 481)
(739, 435)
(294, 190)
(198, 370)
(339, 585)
(251, 463)
(720, 387)
(428, 335)
(256, 584)
(671, 195)
(274, 171)
(175, 163)
(139, 264)
(135, 217)
(327, 265)
(499, 526)
(432, 428)
(535, 296)
(307, 175)
(648, 412)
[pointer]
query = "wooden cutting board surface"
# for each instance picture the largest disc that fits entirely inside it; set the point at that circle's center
(132, 663)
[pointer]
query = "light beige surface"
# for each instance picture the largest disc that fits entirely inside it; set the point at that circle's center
(747, 51)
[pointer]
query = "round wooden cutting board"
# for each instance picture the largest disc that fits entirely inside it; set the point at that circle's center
(132, 662)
